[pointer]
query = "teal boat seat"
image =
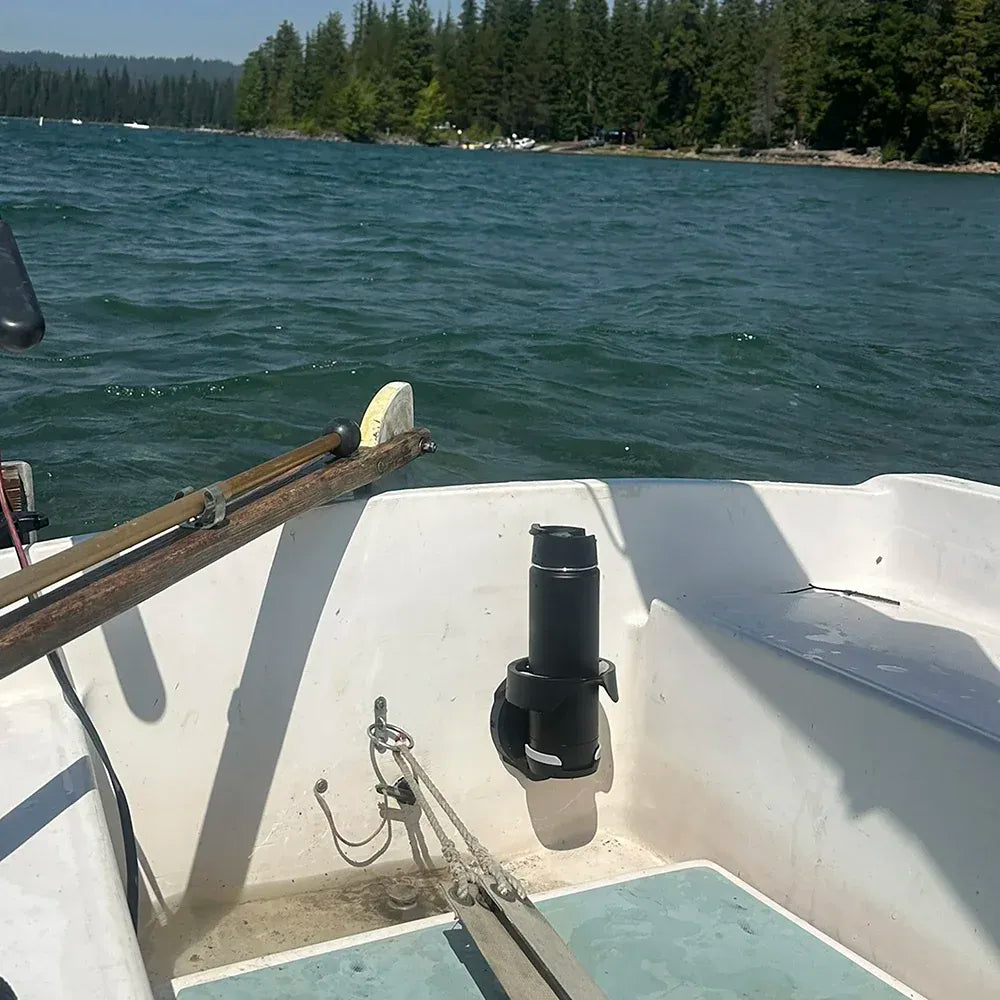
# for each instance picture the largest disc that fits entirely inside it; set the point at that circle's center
(934, 665)
(689, 933)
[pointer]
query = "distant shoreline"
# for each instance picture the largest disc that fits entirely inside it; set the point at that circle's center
(842, 158)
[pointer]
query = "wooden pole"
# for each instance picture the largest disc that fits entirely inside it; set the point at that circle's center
(61, 615)
(110, 543)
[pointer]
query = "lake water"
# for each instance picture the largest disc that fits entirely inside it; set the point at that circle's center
(213, 300)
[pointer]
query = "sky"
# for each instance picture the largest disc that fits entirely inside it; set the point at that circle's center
(211, 29)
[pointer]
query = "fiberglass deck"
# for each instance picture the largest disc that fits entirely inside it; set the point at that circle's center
(688, 933)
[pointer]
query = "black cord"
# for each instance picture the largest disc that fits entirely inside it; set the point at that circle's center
(124, 813)
(129, 845)
(844, 593)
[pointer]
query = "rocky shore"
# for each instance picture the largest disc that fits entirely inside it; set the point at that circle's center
(290, 133)
(870, 160)
(785, 156)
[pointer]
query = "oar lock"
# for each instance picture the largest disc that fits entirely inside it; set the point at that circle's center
(214, 514)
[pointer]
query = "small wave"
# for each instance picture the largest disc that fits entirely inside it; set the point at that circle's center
(28, 214)
(158, 314)
(243, 381)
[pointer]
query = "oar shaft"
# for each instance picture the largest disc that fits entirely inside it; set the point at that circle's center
(58, 617)
(110, 543)
(244, 482)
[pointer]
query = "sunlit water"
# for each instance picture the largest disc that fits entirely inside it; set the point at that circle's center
(214, 300)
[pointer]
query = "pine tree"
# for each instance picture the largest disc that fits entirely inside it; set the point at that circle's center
(769, 92)
(395, 35)
(733, 79)
(957, 118)
(678, 56)
(445, 62)
(490, 64)
(532, 69)
(467, 85)
(121, 97)
(430, 111)
(589, 65)
(557, 84)
(629, 61)
(801, 30)
(415, 65)
(515, 100)
(359, 110)
(990, 67)
(312, 78)
(370, 41)
(325, 70)
(282, 61)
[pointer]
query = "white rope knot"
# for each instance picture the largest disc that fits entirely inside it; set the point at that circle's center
(465, 878)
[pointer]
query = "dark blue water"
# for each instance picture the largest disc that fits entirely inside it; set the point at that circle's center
(213, 300)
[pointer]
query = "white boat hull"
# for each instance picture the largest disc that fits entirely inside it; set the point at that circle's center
(741, 736)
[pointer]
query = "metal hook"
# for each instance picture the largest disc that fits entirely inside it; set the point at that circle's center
(385, 736)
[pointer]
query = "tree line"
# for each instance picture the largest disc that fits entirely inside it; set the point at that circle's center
(917, 78)
(139, 67)
(188, 101)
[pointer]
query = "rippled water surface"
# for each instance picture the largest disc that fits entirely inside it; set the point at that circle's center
(213, 300)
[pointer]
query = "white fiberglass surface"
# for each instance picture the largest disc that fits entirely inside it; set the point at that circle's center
(225, 699)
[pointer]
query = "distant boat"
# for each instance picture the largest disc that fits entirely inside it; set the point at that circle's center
(41, 122)
(76, 121)
(141, 125)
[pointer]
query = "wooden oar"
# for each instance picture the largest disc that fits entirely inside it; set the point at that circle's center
(343, 441)
(30, 631)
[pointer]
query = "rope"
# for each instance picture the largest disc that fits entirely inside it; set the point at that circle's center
(465, 879)
(383, 736)
(506, 883)
(339, 839)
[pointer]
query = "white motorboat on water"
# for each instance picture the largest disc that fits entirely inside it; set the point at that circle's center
(795, 796)
(76, 121)
(136, 125)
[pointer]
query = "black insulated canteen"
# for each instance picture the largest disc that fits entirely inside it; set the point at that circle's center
(545, 714)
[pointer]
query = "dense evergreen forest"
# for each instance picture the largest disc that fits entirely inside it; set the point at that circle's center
(918, 78)
(139, 67)
(188, 101)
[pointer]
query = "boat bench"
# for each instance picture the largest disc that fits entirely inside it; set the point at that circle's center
(64, 925)
(685, 933)
(922, 657)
